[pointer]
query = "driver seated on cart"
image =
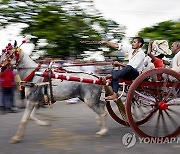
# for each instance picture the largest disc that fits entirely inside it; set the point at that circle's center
(130, 71)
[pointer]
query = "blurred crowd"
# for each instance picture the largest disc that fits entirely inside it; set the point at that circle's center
(89, 66)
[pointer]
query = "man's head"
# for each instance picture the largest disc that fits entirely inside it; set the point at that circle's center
(175, 47)
(137, 42)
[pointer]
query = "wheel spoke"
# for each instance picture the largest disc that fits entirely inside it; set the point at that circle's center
(134, 111)
(156, 128)
(165, 86)
(170, 91)
(150, 115)
(164, 124)
(145, 97)
(174, 112)
(174, 102)
(142, 112)
(159, 96)
(172, 120)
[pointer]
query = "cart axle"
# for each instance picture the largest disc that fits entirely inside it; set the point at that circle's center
(163, 105)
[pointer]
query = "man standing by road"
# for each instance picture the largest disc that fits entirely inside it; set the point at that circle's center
(7, 86)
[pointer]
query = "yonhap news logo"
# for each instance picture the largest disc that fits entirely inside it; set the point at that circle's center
(130, 139)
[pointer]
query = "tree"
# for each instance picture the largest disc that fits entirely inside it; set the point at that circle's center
(167, 30)
(63, 24)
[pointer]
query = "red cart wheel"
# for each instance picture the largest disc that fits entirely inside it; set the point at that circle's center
(117, 115)
(118, 112)
(157, 103)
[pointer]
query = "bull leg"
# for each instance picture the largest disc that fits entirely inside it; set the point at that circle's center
(17, 137)
(37, 121)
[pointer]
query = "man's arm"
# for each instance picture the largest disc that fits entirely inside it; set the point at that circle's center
(150, 50)
(165, 62)
(113, 45)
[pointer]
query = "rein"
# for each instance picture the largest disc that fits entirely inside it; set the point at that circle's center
(66, 71)
(59, 70)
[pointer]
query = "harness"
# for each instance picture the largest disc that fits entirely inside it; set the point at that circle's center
(49, 71)
(31, 75)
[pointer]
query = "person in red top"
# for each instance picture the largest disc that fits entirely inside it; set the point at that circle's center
(157, 60)
(7, 87)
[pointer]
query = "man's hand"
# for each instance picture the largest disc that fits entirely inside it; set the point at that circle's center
(111, 44)
(108, 76)
(151, 42)
(116, 63)
(102, 42)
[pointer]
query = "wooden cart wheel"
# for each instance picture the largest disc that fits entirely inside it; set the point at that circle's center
(158, 103)
(118, 112)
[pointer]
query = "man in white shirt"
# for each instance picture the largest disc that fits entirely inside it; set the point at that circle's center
(175, 48)
(130, 71)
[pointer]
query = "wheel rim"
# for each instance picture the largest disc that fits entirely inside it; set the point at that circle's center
(163, 101)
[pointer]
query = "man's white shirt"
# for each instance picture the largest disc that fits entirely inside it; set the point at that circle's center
(135, 60)
(176, 62)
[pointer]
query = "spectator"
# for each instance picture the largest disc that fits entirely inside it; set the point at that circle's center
(1, 104)
(175, 48)
(7, 86)
(158, 61)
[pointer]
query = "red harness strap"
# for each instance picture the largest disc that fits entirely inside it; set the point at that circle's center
(31, 75)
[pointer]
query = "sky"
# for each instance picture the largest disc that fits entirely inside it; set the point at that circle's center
(10, 34)
(134, 14)
(138, 14)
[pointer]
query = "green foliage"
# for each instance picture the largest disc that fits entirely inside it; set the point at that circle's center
(167, 30)
(63, 24)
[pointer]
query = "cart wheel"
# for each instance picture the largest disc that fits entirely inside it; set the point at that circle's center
(118, 112)
(115, 111)
(157, 103)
